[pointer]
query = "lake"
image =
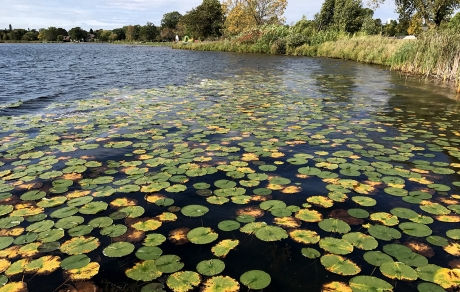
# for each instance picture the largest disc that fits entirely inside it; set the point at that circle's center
(138, 168)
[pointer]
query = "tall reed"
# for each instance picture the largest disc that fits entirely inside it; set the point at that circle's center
(434, 54)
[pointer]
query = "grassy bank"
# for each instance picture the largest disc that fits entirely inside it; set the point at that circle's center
(433, 55)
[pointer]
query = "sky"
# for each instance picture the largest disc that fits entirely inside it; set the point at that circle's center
(110, 14)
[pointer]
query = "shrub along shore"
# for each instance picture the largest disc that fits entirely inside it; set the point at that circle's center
(433, 55)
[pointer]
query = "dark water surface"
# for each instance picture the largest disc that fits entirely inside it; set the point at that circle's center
(322, 136)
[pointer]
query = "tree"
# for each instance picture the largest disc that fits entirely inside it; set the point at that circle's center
(30, 36)
(432, 12)
(170, 20)
(390, 29)
(267, 11)
(325, 17)
(133, 33)
(120, 34)
(415, 24)
(343, 15)
(454, 23)
(243, 14)
(167, 34)
(206, 20)
(103, 35)
(149, 32)
(51, 33)
(78, 34)
(348, 15)
(16, 34)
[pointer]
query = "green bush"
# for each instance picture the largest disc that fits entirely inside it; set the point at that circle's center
(278, 47)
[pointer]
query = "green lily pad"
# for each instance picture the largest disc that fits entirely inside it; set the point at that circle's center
(69, 222)
(148, 253)
(194, 210)
(114, 230)
(25, 238)
(361, 240)
(51, 235)
(49, 246)
(154, 239)
(202, 235)
(118, 249)
(429, 287)
(310, 253)
(144, 271)
(75, 262)
(80, 230)
(79, 201)
(64, 212)
(33, 195)
(80, 245)
(335, 246)
(397, 270)
(364, 201)
(384, 233)
(437, 240)
(169, 263)
(225, 184)
(453, 233)
(271, 233)
(5, 241)
(255, 279)
(210, 267)
(339, 265)
(358, 213)
(228, 225)
(369, 283)
(415, 229)
(101, 222)
(377, 258)
(40, 226)
(428, 272)
(334, 225)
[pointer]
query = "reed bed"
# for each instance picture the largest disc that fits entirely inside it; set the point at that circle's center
(434, 54)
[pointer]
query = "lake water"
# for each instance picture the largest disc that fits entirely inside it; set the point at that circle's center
(333, 160)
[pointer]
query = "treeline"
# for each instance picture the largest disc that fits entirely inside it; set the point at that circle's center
(241, 19)
(203, 22)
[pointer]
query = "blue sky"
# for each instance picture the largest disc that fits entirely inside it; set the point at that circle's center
(109, 14)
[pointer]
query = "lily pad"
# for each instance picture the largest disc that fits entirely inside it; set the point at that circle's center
(148, 253)
(210, 267)
(334, 225)
(202, 235)
(310, 253)
(75, 262)
(118, 249)
(169, 263)
(144, 271)
(397, 270)
(369, 283)
(336, 246)
(194, 210)
(339, 265)
(183, 281)
(255, 279)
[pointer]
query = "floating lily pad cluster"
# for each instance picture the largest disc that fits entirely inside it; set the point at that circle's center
(143, 173)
